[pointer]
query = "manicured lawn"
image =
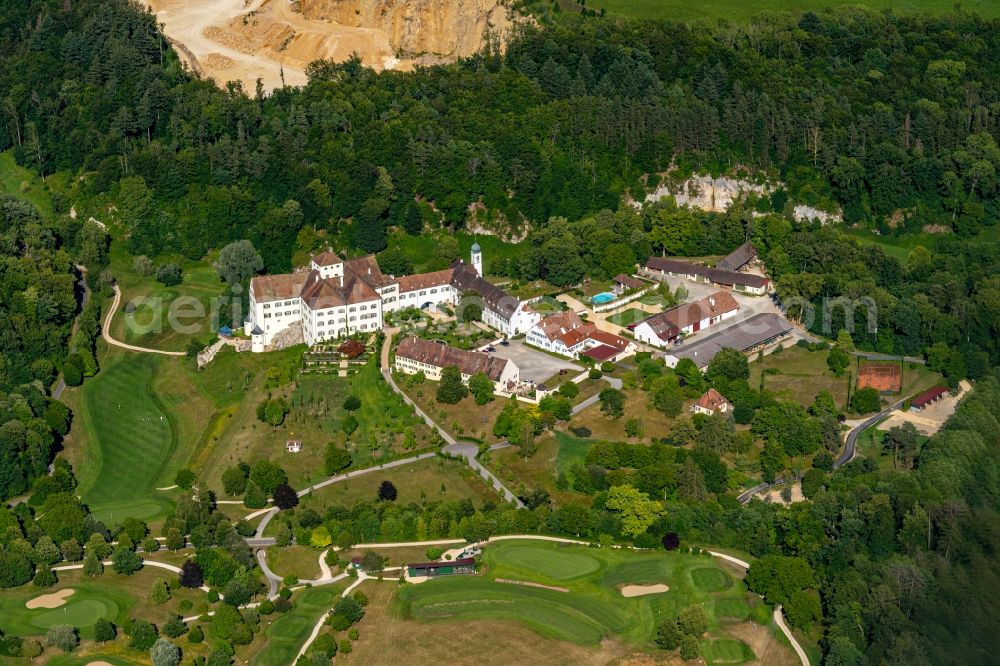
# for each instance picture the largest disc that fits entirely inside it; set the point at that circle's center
(555, 564)
(299, 561)
(287, 634)
(110, 596)
(190, 304)
(741, 10)
(130, 437)
(593, 608)
(628, 317)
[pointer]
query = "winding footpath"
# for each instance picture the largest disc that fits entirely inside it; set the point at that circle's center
(461, 449)
(106, 330)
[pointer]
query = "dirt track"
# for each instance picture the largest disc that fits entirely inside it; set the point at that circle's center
(186, 22)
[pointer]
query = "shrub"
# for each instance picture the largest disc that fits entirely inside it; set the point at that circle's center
(169, 275)
(63, 637)
(104, 630)
(689, 648)
(196, 635)
(142, 635)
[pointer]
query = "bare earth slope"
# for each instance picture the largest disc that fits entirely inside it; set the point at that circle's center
(243, 40)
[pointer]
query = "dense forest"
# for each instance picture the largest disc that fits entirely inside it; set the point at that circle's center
(871, 112)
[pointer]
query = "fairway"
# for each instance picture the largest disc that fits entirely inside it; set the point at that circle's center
(130, 440)
(574, 618)
(593, 608)
(287, 634)
(741, 10)
(551, 564)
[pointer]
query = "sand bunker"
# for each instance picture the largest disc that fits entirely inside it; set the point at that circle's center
(99, 663)
(54, 600)
(641, 590)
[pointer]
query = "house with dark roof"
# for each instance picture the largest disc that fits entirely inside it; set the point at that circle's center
(415, 355)
(623, 283)
(739, 259)
(659, 267)
(670, 325)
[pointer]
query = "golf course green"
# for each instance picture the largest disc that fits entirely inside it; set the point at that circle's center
(89, 602)
(574, 593)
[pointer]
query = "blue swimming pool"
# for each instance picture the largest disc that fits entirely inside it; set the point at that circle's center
(602, 298)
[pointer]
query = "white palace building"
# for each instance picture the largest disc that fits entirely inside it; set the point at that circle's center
(335, 298)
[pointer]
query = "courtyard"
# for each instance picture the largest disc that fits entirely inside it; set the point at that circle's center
(535, 366)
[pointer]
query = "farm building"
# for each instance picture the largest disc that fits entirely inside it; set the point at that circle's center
(663, 328)
(658, 267)
(710, 403)
(747, 336)
(928, 397)
(883, 377)
(625, 283)
(465, 565)
(418, 355)
(739, 259)
(566, 334)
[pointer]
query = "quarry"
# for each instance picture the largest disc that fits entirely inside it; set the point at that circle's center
(275, 40)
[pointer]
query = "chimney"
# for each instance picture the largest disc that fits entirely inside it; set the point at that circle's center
(341, 281)
(711, 302)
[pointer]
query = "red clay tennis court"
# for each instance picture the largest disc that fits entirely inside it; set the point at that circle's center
(883, 377)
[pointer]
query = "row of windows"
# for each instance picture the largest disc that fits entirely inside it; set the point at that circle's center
(288, 313)
(278, 304)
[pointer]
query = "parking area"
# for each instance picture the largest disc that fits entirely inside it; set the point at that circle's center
(535, 366)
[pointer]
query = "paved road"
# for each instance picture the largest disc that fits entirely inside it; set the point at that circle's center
(106, 331)
(593, 400)
(850, 448)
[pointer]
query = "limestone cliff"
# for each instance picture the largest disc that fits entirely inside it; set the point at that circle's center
(449, 28)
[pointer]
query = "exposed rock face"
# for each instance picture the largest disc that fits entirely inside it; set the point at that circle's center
(707, 193)
(449, 28)
(717, 195)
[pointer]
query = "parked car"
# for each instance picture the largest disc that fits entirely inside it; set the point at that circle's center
(491, 348)
(504, 343)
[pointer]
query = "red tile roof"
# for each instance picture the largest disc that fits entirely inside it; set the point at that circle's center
(711, 400)
(409, 283)
(928, 396)
(601, 352)
(326, 259)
